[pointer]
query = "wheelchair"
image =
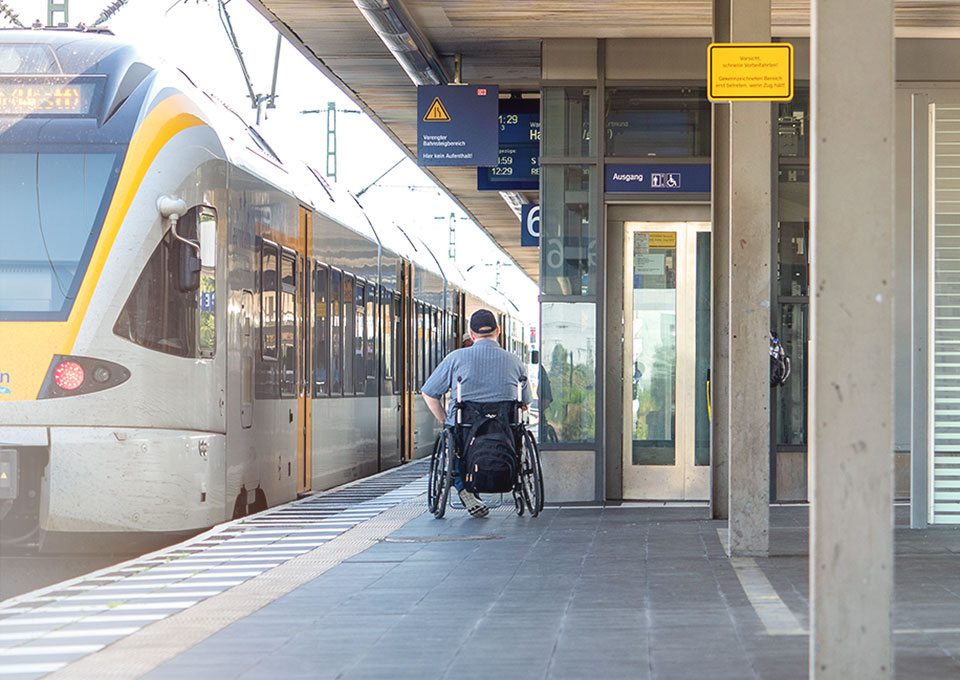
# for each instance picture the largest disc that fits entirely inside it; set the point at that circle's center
(528, 485)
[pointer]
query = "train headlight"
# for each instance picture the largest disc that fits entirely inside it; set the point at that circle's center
(68, 375)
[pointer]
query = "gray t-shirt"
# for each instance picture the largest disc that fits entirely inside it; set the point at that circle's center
(489, 372)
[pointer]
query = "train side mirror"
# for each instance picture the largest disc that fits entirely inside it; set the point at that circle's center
(188, 269)
(186, 251)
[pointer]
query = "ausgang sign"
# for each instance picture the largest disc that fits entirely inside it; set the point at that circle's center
(759, 72)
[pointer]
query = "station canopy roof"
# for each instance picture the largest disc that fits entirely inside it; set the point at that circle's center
(499, 43)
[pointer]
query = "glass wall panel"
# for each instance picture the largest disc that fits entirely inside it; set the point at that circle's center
(793, 125)
(568, 227)
(567, 113)
(569, 371)
(701, 455)
(653, 122)
(790, 398)
(654, 357)
(792, 246)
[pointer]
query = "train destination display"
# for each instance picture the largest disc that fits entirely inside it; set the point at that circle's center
(19, 98)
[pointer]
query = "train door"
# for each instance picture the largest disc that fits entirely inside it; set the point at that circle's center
(666, 434)
(304, 315)
(406, 364)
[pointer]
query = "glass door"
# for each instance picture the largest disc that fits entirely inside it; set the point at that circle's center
(666, 452)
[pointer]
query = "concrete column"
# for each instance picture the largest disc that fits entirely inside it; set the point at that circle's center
(720, 363)
(851, 402)
(749, 300)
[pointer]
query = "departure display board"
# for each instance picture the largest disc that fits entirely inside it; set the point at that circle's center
(18, 98)
(518, 160)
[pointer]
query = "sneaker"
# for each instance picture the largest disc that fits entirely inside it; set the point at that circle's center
(474, 505)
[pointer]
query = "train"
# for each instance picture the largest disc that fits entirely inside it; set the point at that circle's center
(194, 326)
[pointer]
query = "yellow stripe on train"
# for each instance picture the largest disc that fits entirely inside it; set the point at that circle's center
(28, 347)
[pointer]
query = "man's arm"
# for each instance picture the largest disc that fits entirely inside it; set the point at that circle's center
(435, 406)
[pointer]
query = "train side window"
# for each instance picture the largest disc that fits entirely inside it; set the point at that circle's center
(336, 336)
(207, 331)
(360, 330)
(419, 347)
(321, 332)
(437, 351)
(397, 340)
(159, 314)
(349, 340)
(431, 348)
(386, 316)
(269, 281)
(371, 344)
(288, 324)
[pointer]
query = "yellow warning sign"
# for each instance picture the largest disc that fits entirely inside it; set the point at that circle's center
(750, 72)
(3, 475)
(436, 113)
(663, 239)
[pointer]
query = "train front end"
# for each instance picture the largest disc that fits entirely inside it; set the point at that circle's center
(82, 140)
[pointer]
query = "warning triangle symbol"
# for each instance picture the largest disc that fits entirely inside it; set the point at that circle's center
(436, 113)
(3, 475)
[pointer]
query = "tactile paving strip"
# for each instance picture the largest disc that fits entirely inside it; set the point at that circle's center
(50, 629)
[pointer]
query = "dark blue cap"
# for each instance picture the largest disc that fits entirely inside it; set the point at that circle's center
(483, 322)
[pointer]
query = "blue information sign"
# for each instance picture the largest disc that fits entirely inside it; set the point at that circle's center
(654, 179)
(457, 124)
(518, 163)
(530, 225)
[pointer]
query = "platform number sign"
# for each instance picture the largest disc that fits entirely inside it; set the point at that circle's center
(530, 225)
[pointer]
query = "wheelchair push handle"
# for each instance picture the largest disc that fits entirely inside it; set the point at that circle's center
(520, 384)
(459, 393)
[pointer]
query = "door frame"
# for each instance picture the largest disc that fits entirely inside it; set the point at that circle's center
(304, 315)
(684, 480)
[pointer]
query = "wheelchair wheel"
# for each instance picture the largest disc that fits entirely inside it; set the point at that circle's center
(531, 474)
(441, 475)
(547, 433)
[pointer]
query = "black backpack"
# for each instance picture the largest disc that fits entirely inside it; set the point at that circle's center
(490, 457)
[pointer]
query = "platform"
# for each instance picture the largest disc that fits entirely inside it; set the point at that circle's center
(365, 584)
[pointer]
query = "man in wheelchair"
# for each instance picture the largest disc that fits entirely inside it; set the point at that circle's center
(485, 378)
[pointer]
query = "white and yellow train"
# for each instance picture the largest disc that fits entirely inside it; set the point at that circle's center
(193, 327)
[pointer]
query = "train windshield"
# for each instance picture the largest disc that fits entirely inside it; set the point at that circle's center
(52, 207)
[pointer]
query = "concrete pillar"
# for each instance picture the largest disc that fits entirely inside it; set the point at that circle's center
(720, 363)
(750, 222)
(851, 403)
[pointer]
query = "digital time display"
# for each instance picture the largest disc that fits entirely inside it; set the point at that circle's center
(18, 98)
(518, 160)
